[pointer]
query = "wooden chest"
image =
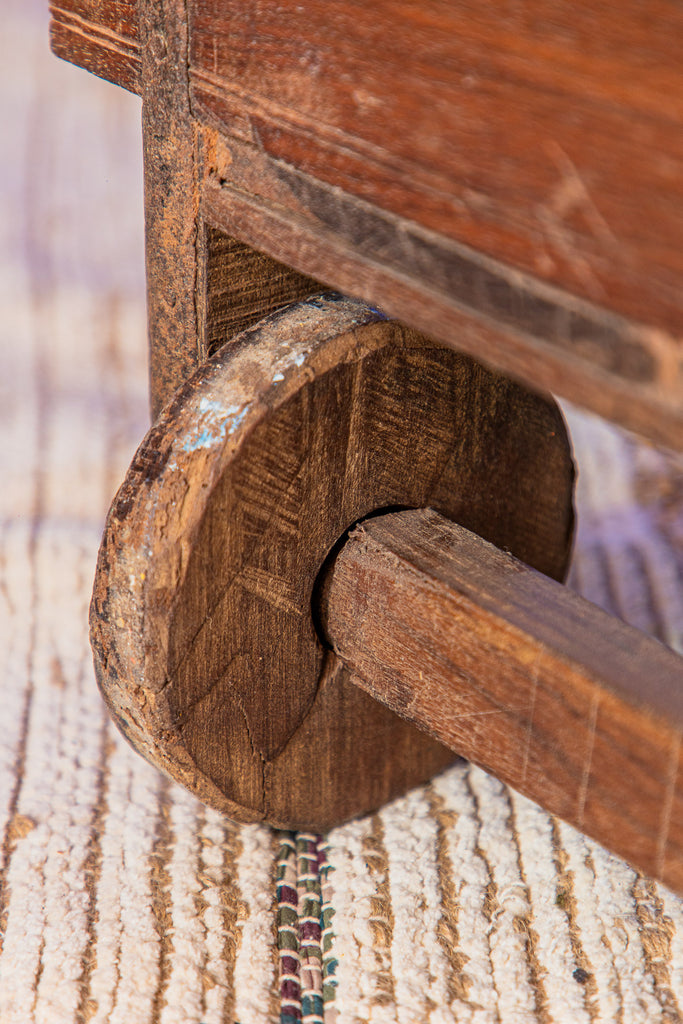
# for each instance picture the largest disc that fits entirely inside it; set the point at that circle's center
(508, 178)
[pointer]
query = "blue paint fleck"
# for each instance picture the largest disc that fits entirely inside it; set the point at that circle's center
(237, 420)
(221, 421)
(203, 440)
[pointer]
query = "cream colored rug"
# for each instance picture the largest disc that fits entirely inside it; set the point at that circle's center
(122, 900)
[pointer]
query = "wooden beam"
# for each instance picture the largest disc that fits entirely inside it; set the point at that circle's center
(575, 709)
(626, 372)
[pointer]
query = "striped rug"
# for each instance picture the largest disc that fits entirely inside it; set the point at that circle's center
(123, 900)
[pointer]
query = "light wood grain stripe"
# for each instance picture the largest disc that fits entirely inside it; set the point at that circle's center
(475, 996)
(559, 990)
(182, 1002)
(92, 872)
(672, 911)
(217, 849)
(15, 650)
(508, 905)
(447, 930)
(254, 976)
(656, 933)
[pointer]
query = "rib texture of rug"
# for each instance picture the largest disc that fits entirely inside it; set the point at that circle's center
(122, 899)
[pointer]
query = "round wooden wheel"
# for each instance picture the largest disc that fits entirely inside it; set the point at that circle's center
(205, 643)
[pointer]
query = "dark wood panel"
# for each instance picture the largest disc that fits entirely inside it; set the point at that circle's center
(547, 135)
(576, 710)
(102, 38)
(242, 287)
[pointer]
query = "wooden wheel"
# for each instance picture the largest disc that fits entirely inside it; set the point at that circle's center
(205, 645)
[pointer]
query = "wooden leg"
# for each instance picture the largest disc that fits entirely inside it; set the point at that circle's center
(202, 285)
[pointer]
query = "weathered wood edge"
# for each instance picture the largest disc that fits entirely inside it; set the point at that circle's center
(546, 135)
(156, 519)
(124, 642)
(172, 169)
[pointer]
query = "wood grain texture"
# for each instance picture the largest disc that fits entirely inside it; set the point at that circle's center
(172, 175)
(508, 181)
(102, 38)
(179, 895)
(242, 286)
(204, 640)
(202, 286)
(571, 707)
(544, 337)
(546, 135)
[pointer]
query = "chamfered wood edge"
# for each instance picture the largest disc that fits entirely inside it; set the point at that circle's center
(454, 562)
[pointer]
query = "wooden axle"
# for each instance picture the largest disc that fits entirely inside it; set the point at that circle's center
(519, 675)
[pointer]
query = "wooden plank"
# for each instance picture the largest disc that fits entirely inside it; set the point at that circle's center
(545, 134)
(626, 372)
(102, 38)
(576, 710)
(216, 161)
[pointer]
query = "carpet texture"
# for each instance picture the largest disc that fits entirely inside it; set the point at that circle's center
(123, 900)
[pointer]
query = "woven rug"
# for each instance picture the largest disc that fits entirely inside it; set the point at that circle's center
(122, 899)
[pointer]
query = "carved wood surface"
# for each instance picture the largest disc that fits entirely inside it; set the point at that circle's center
(202, 625)
(568, 705)
(243, 286)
